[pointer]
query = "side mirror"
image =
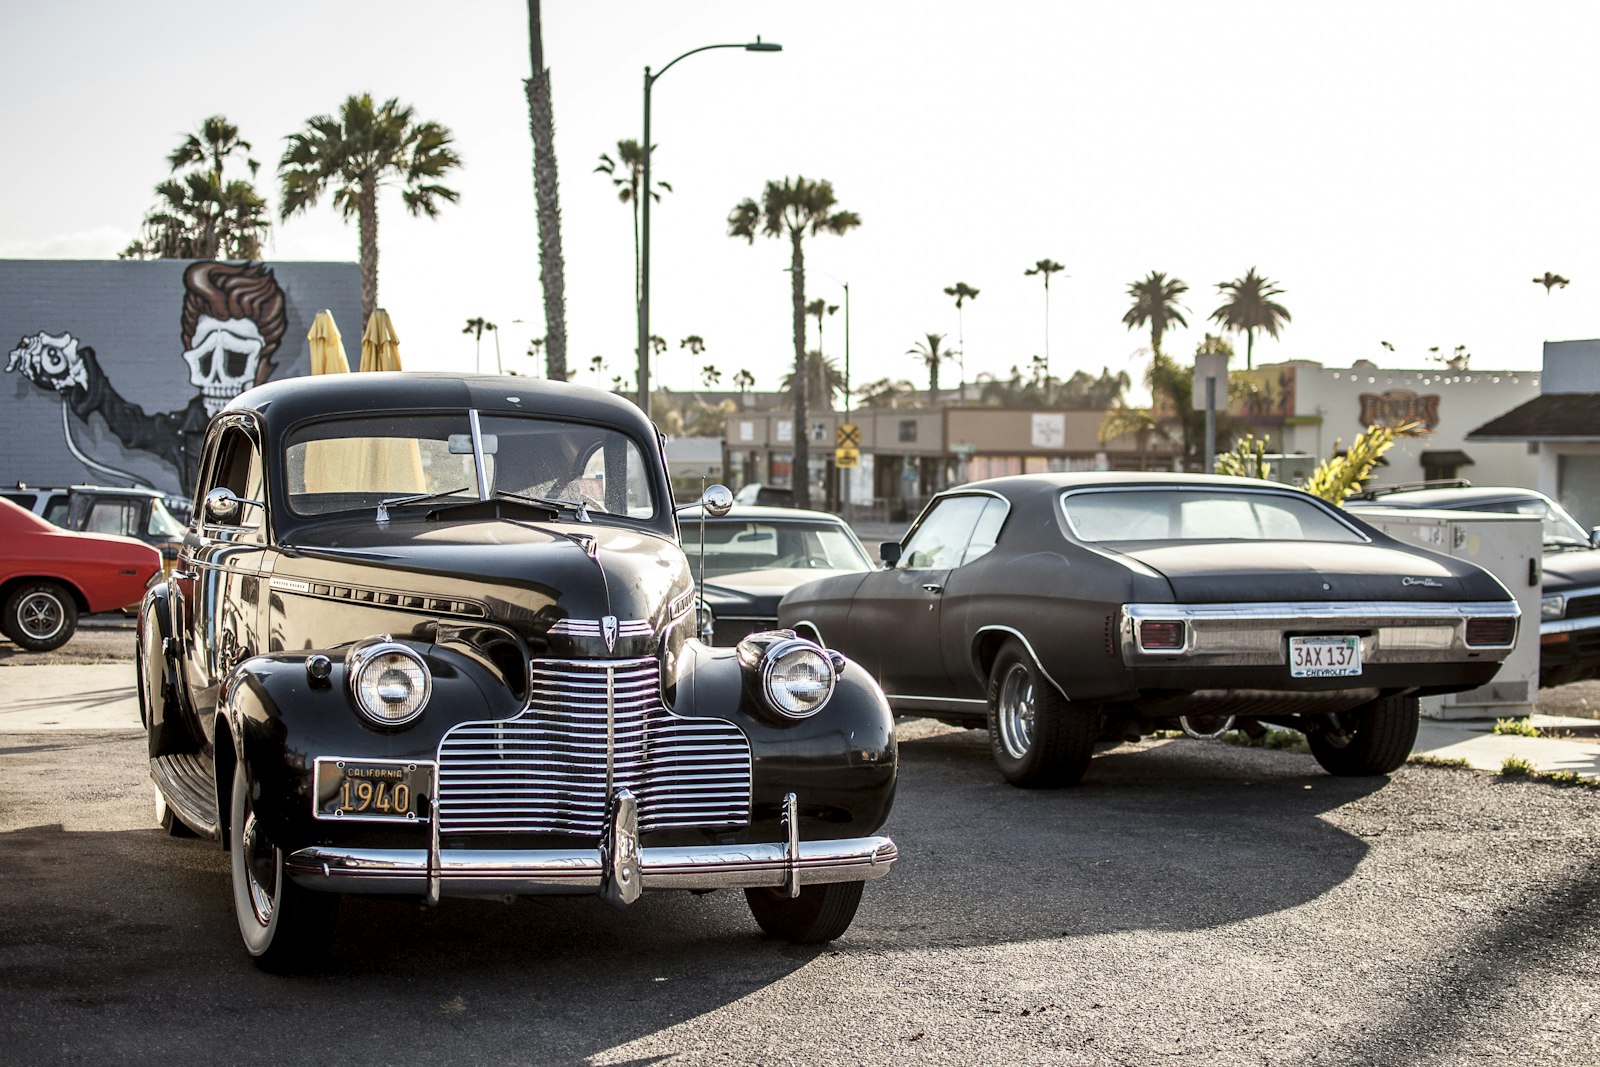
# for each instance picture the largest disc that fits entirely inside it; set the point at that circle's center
(717, 500)
(889, 552)
(223, 506)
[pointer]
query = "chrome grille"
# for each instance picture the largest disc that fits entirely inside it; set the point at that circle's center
(545, 771)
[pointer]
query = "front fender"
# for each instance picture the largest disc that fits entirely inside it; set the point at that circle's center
(281, 719)
(841, 763)
(169, 729)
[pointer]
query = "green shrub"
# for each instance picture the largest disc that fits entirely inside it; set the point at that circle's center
(1517, 767)
(1516, 728)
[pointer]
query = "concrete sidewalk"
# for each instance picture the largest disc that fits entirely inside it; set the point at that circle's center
(101, 697)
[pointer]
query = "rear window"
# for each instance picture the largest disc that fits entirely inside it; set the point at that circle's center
(1194, 514)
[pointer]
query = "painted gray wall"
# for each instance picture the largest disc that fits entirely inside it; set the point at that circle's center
(129, 312)
(1571, 367)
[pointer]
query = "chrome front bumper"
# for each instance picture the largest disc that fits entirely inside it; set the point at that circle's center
(618, 869)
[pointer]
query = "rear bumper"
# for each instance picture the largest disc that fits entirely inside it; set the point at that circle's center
(617, 869)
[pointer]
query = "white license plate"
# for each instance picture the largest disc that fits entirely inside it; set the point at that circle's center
(1324, 657)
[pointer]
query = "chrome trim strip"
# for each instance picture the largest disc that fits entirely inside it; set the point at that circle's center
(791, 826)
(592, 628)
(1567, 626)
(465, 872)
(1333, 610)
(1192, 487)
(1020, 636)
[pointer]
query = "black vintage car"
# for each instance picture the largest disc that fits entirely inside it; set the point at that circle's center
(432, 636)
(1067, 609)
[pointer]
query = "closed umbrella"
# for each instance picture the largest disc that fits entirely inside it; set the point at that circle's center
(327, 348)
(380, 345)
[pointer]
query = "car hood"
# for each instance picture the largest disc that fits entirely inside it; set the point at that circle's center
(1239, 571)
(1576, 569)
(758, 592)
(525, 575)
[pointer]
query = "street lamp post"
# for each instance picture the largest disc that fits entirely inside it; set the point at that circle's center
(758, 45)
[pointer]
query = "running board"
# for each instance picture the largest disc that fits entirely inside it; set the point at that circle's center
(187, 782)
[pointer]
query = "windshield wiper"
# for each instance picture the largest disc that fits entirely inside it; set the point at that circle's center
(579, 507)
(394, 501)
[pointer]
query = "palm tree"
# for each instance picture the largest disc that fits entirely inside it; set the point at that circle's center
(931, 355)
(365, 148)
(792, 208)
(476, 327)
(1552, 281)
(824, 379)
(744, 381)
(817, 309)
(1045, 267)
(962, 292)
(694, 343)
(598, 365)
(885, 392)
(630, 164)
(552, 267)
(199, 214)
(1155, 303)
(1250, 307)
(710, 375)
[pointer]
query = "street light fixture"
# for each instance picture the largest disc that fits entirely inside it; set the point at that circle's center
(758, 45)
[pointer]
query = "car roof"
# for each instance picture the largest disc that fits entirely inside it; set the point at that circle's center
(1025, 484)
(767, 513)
(286, 401)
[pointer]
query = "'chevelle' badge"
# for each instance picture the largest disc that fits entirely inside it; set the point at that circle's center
(1429, 582)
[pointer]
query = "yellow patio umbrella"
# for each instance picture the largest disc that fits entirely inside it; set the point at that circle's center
(327, 348)
(380, 345)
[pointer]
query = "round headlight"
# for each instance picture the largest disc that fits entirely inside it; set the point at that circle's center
(797, 677)
(389, 682)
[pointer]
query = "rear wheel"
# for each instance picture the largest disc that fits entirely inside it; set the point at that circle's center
(39, 616)
(1373, 739)
(284, 926)
(819, 914)
(1037, 737)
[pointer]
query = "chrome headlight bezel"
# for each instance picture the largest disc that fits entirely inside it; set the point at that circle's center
(365, 667)
(789, 688)
(1553, 606)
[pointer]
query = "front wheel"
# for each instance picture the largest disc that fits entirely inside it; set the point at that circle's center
(39, 616)
(284, 926)
(1037, 737)
(1374, 739)
(819, 914)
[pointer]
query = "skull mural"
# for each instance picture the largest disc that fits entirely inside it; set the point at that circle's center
(222, 363)
(234, 317)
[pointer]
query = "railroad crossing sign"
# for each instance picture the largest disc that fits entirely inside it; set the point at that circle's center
(846, 458)
(847, 435)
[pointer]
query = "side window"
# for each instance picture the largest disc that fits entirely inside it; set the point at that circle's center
(238, 468)
(987, 532)
(940, 540)
(113, 517)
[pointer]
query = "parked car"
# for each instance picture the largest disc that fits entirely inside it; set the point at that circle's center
(757, 494)
(1063, 609)
(127, 511)
(1569, 615)
(754, 555)
(50, 576)
(431, 636)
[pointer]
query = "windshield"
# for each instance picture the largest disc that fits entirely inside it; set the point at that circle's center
(162, 524)
(1193, 514)
(357, 463)
(736, 547)
(1561, 530)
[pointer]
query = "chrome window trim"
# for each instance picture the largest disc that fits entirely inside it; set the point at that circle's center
(951, 494)
(1336, 513)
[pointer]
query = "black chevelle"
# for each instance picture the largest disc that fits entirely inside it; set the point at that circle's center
(432, 636)
(1068, 609)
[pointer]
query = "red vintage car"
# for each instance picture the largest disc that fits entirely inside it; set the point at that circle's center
(48, 576)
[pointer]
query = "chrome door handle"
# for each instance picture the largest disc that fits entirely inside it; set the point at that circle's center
(933, 587)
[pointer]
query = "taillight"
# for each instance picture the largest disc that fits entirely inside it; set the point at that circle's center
(1161, 636)
(1491, 633)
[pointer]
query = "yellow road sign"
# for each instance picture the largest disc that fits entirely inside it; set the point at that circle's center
(847, 435)
(845, 458)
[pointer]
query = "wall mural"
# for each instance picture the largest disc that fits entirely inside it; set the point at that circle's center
(132, 410)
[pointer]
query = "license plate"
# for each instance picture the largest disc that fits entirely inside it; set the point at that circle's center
(1324, 657)
(373, 790)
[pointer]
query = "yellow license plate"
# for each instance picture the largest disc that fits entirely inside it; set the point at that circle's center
(373, 790)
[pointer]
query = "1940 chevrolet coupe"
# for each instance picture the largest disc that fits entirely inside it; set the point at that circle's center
(432, 636)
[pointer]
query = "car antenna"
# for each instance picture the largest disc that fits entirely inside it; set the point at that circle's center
(700, 586)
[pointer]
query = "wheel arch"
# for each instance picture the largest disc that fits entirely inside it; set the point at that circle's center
(224, 758)
(986, 645)
(70, 586)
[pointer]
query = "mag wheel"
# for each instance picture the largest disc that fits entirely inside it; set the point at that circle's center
(1374, 739)
(819, 914)
(39, 616)
(1036, 736)
(284, 926)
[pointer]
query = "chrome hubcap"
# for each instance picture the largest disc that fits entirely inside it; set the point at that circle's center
(1014, 709)
(260, 868)
(41, 616)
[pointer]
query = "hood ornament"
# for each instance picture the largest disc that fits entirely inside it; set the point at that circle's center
(608, 630)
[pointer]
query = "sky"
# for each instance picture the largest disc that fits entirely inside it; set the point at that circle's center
(1401, 170)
